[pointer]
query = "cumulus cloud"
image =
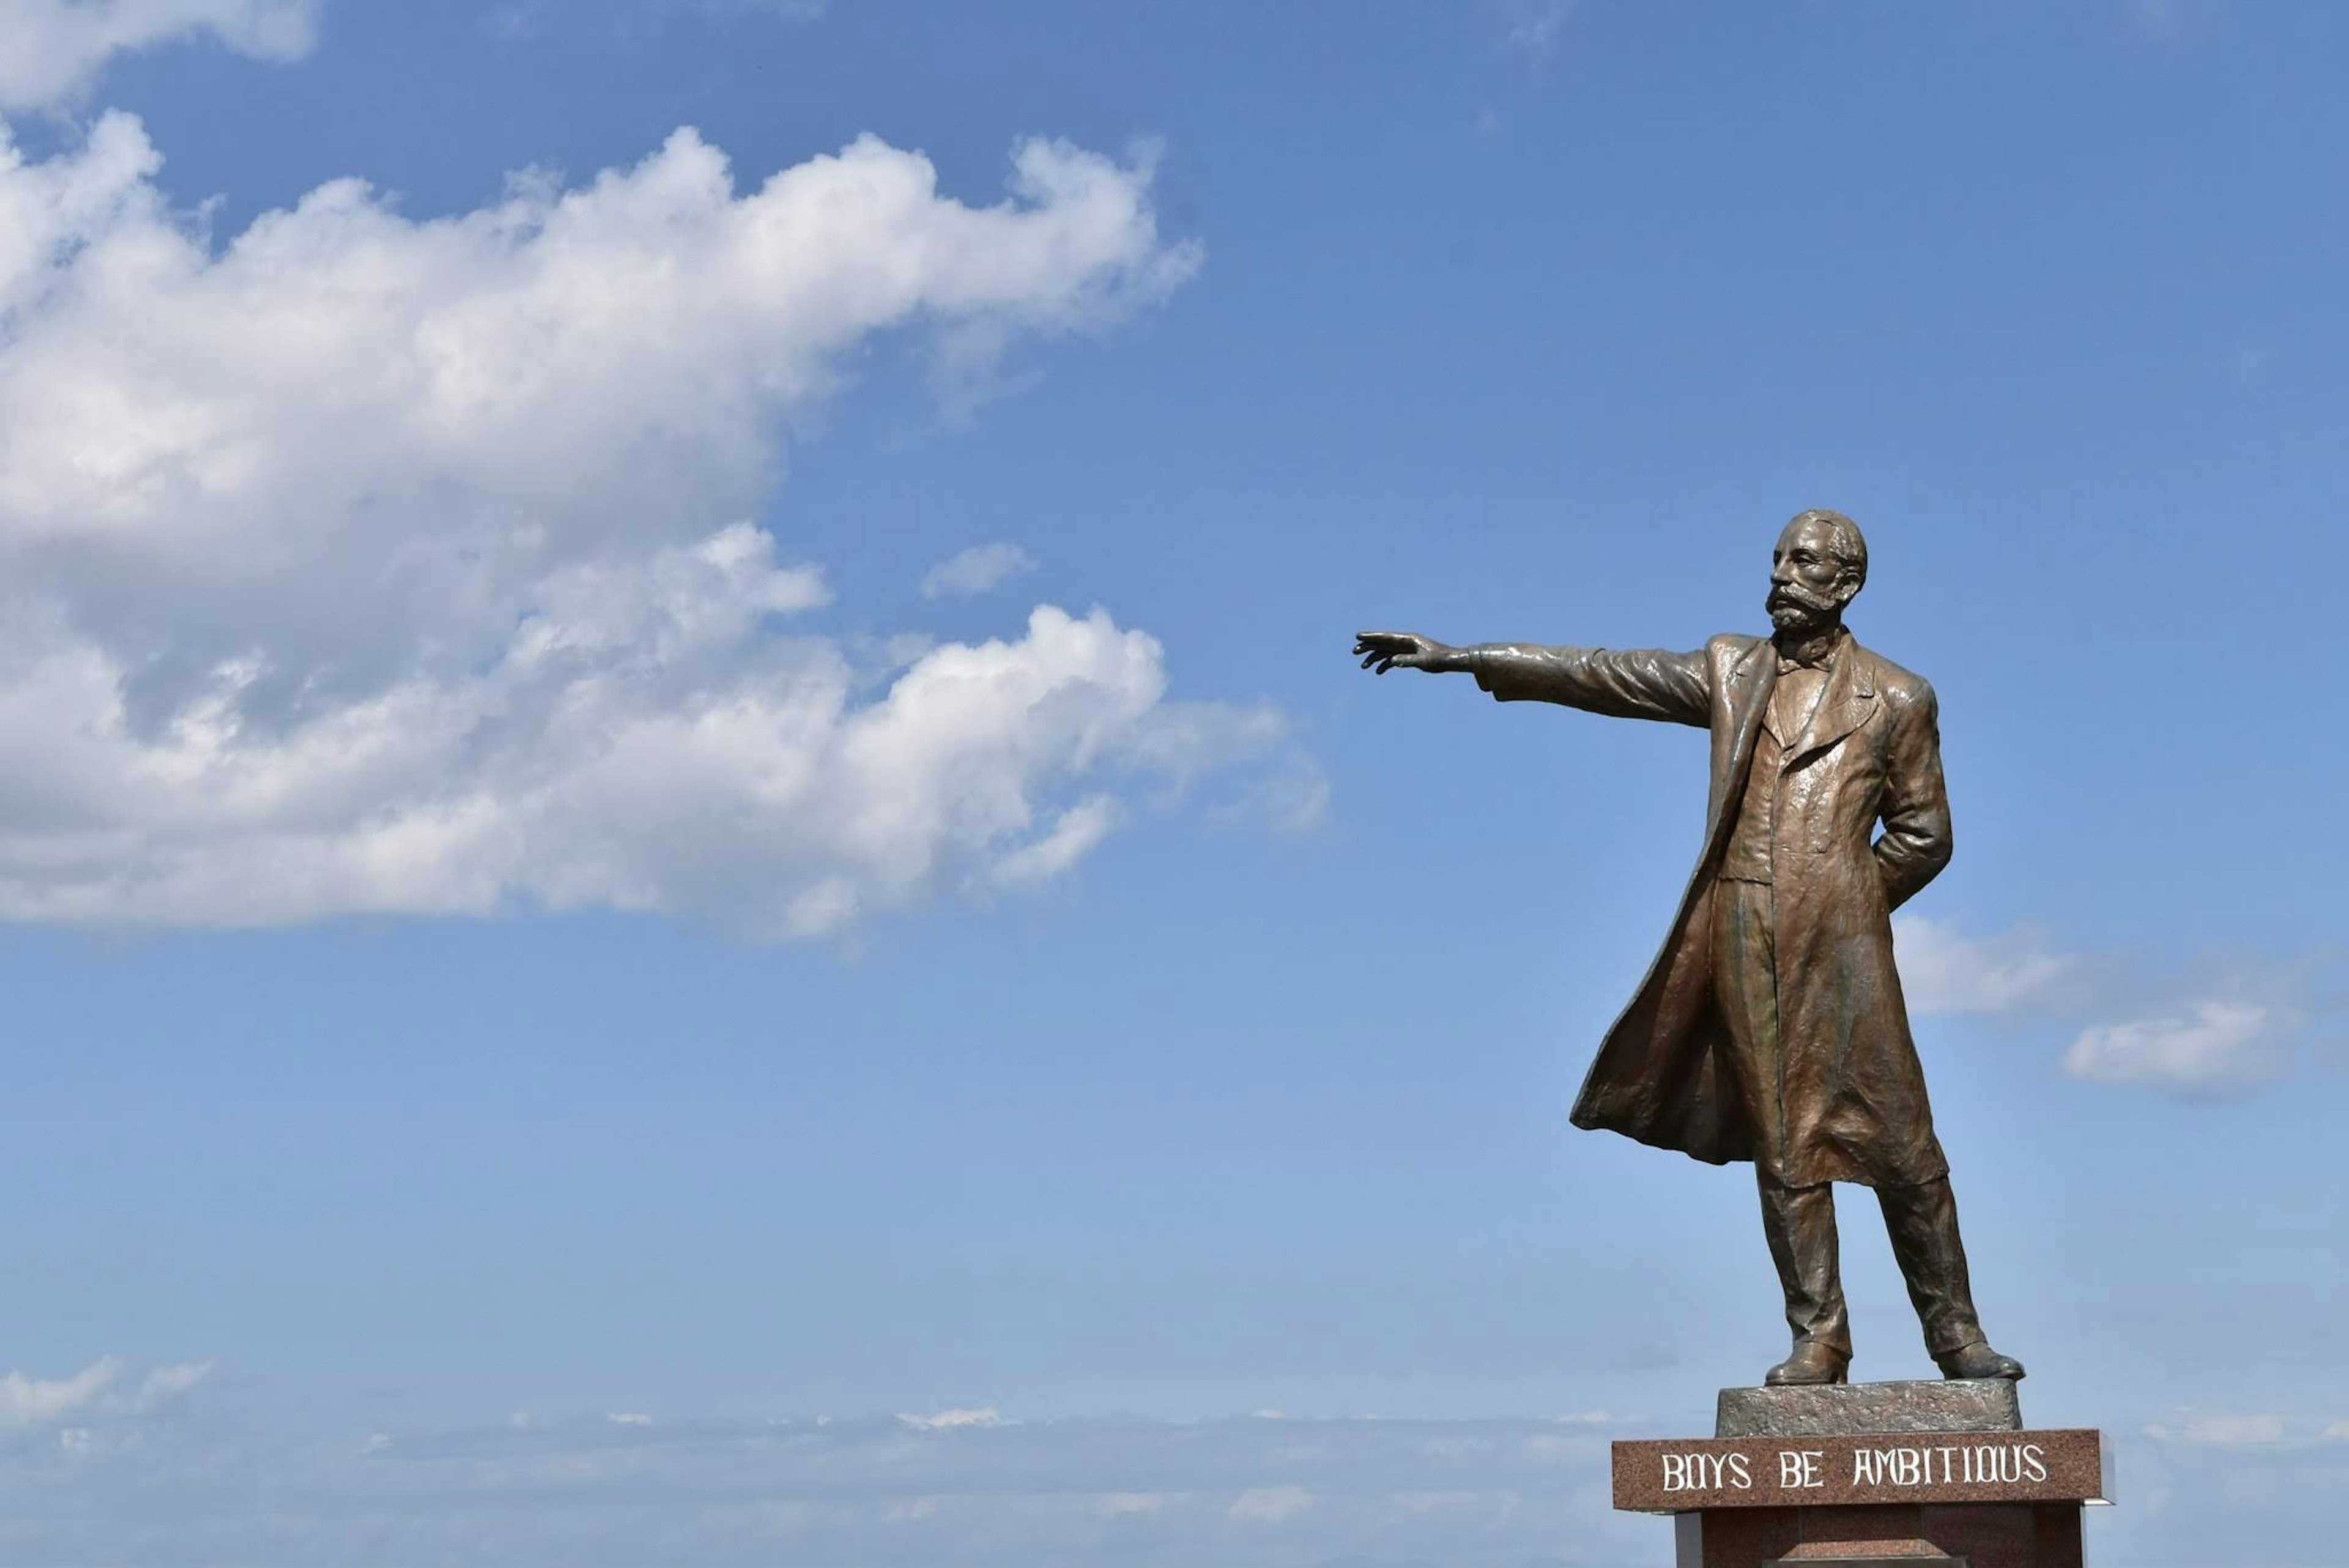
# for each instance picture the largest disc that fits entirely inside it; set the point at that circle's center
(974, 571)
(364, 564)
(50, 49)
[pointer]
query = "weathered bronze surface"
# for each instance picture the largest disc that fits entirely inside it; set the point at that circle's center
(1770, 1027)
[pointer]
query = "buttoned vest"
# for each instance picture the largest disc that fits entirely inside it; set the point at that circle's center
(1752, 840)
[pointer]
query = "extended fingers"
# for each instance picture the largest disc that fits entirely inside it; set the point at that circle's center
(1379, 650)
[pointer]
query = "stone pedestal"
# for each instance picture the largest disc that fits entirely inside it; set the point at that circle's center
(1867, 1476)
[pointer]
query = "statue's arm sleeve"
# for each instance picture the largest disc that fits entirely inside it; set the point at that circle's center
(1628, 683)
(1914, 844)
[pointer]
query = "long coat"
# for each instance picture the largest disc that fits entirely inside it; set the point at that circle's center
(1849, 1104)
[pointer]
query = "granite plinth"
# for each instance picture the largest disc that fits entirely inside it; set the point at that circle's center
(1958, 1405)
(1889, 1475)
(1955, 1535)
(1686, 1475)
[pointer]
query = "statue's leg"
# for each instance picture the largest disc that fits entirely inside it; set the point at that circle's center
(1800, 1225)
(1798, 1221)
(1923, 1221)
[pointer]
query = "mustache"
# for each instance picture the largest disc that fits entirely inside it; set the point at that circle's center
(1800, 598)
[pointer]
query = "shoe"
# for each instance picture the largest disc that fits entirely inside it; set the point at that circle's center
(1978, 1360)
(1811, 1363)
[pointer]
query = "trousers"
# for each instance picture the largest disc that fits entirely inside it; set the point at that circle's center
(1799, 1223)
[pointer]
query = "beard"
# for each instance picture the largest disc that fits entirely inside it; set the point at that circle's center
(1796, 610)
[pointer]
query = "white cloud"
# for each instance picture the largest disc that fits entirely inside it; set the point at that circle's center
(866, 1493)
(1943, 971)
(109, 1386)
(2223, 1430)
(1271, 1505)
(364, 564)
(50, 49)
(1531, 26)
(2205, 1046)
(26, 1403)
(952, 1420)
(878, 1493)
(1073, 836)
(2216, 1031)
(976, 570)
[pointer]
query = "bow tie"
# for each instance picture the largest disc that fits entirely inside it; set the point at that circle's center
(1788, 663)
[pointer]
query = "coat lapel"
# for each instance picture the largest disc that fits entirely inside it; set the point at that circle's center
(1750, 679)
(1844, 706)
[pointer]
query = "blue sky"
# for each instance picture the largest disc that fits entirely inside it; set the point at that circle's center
(692, 873)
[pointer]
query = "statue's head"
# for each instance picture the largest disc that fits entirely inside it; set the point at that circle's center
(1819, 565)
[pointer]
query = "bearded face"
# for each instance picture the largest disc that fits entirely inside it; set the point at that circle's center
(1809, 581)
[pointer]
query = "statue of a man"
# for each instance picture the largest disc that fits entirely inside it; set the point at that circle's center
(1771, 1027)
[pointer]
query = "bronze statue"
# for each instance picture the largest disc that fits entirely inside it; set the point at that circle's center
(1770, 1027)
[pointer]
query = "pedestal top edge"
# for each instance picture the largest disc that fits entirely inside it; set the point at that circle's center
(1858, 1409)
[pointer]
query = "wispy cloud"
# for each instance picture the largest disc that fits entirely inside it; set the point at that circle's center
(2208, 1046)
(1942, 969)
(949, 1420)
(107, 1388)
(974, 571)
(2218, 1029)
(2162, 19)
(1532, 27)
(2222, 1429)
(879, 1492)
(885, 1491)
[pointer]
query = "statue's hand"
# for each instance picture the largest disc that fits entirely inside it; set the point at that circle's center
(1385, 650)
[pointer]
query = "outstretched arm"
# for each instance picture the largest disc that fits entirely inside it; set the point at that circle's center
(1914, 844)
(1628, 683)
